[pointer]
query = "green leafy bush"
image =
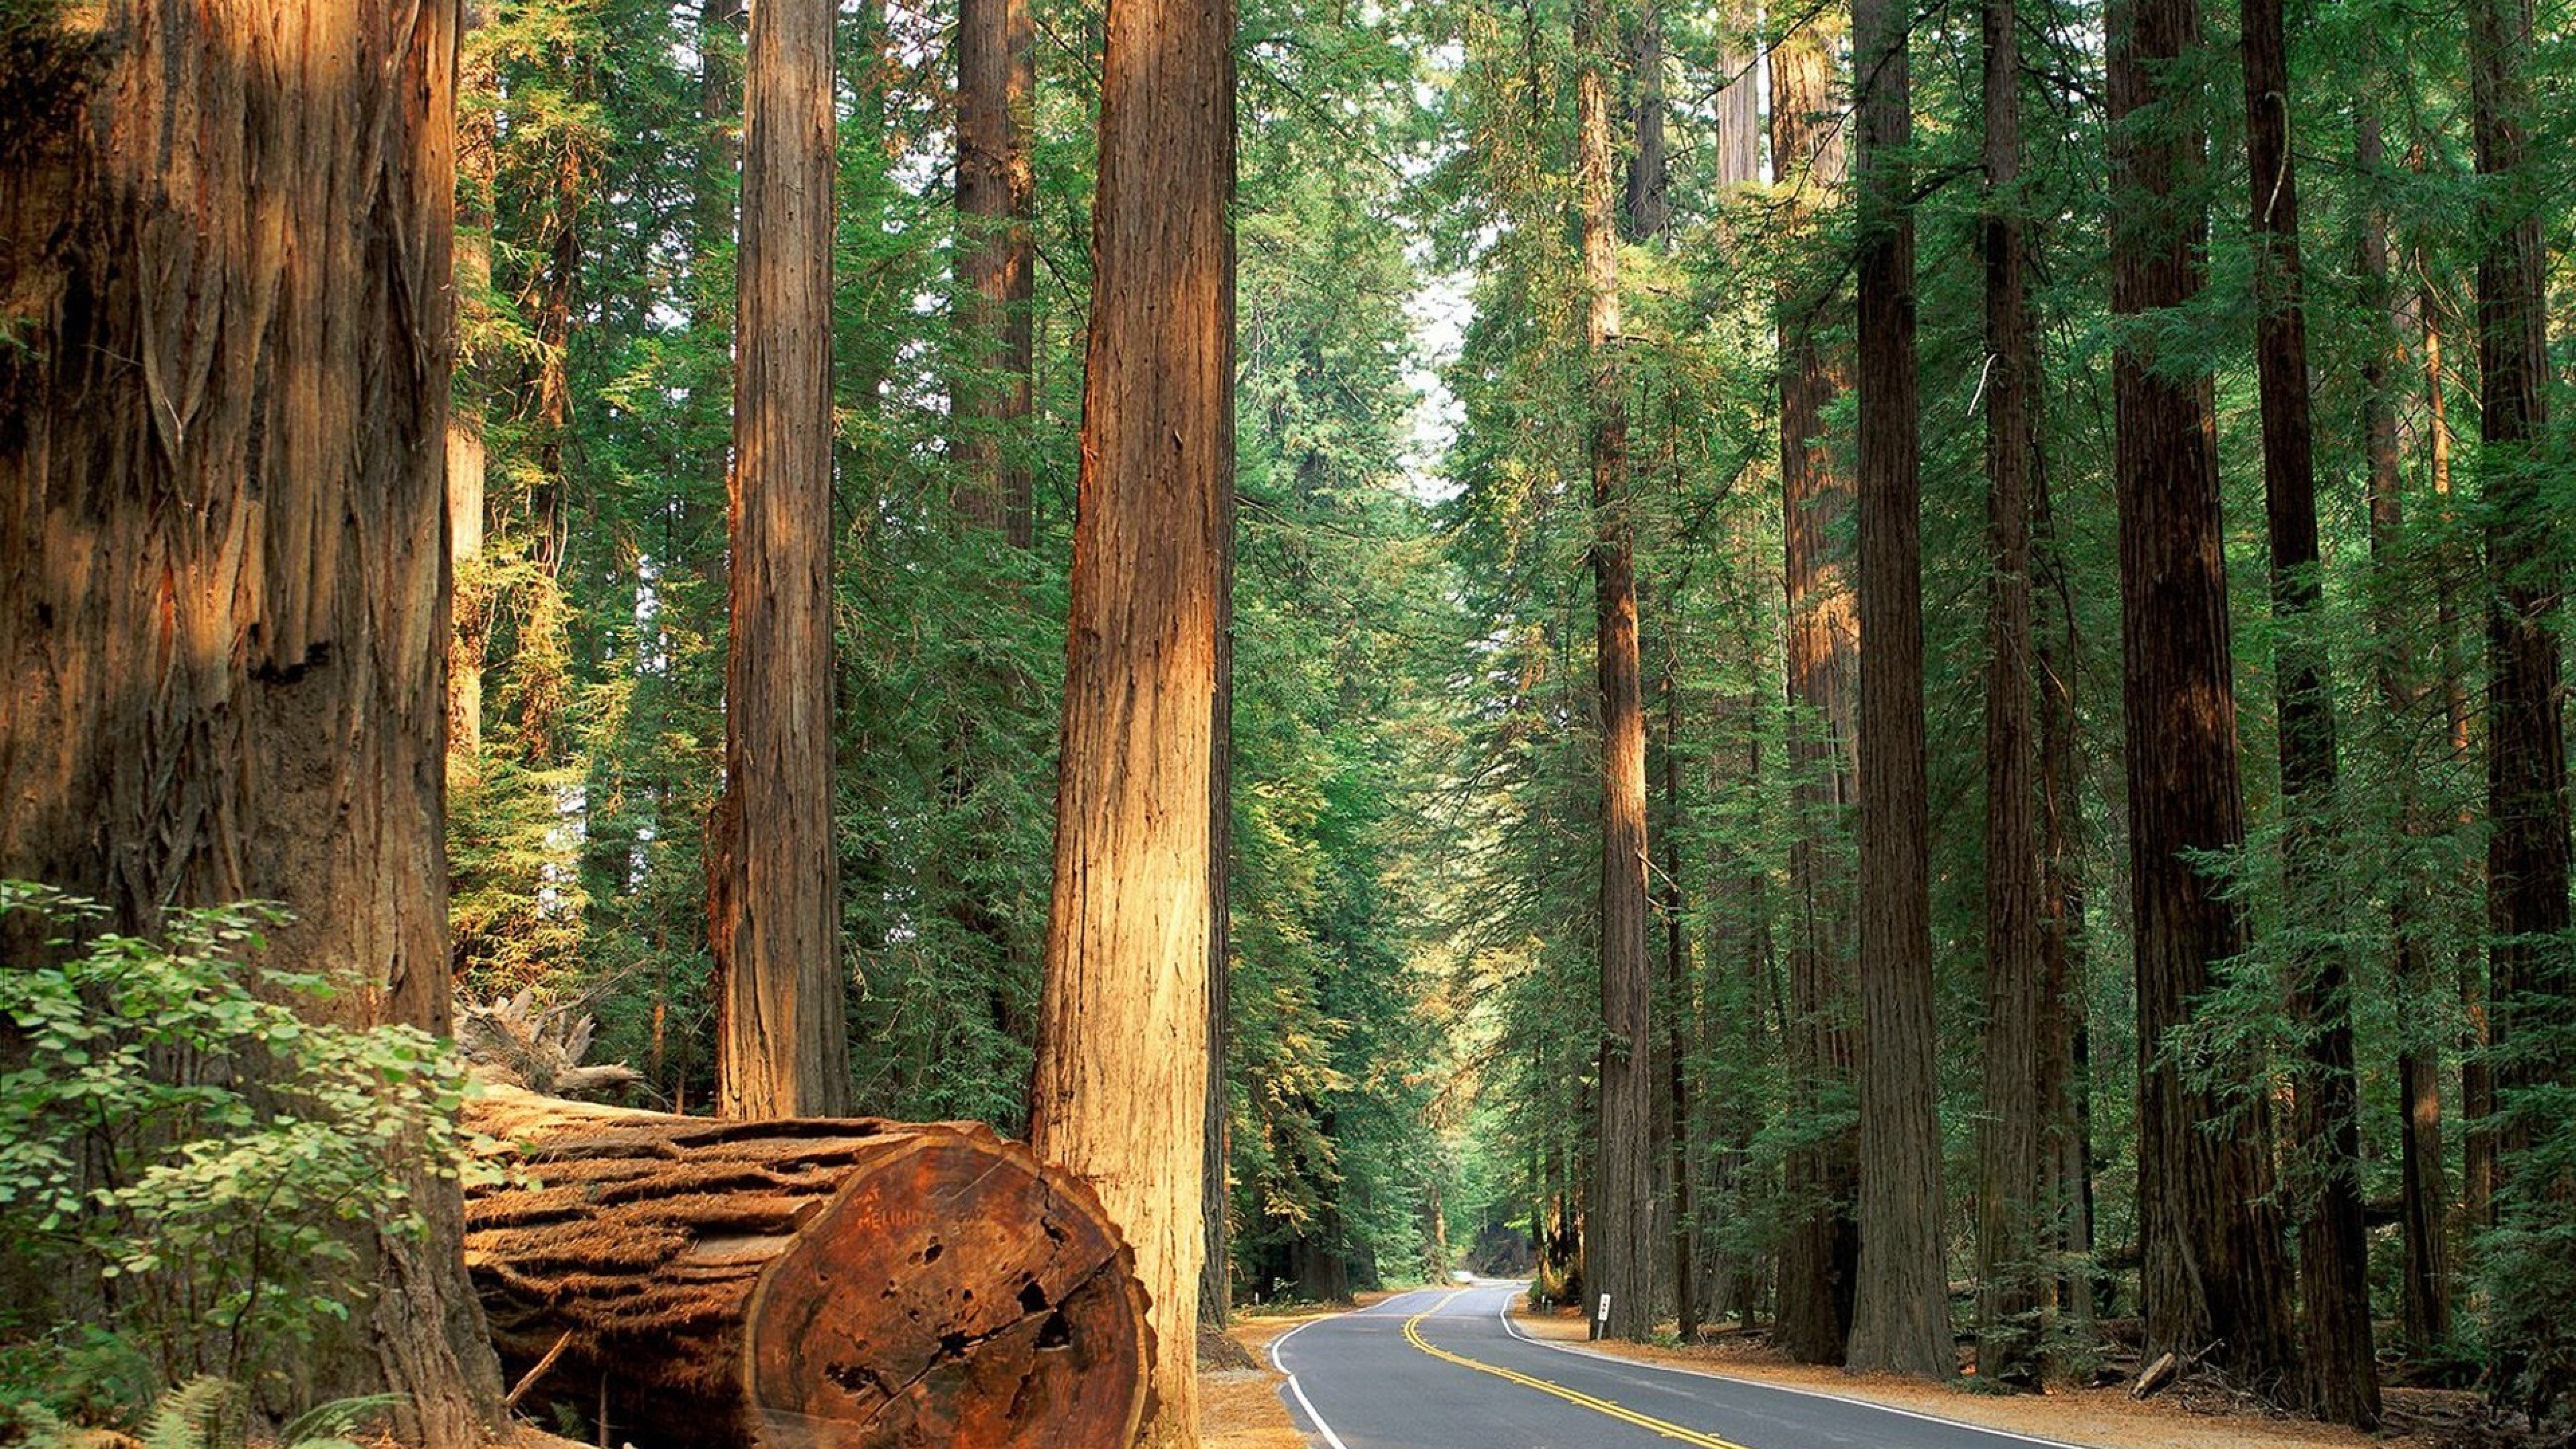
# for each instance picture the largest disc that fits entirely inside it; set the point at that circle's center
(187, 1162)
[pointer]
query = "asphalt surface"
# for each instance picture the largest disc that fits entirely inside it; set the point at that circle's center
(1443, 1368)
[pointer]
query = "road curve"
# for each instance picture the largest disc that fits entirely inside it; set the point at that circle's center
(1444, 1368)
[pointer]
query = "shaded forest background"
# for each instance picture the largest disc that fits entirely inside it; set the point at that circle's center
(1415, 847)
(1548, 348)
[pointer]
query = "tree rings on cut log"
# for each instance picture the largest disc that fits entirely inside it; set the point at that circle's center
(806, 1284)
(940, 1302)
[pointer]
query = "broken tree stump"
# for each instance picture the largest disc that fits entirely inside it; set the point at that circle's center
(804, 1284)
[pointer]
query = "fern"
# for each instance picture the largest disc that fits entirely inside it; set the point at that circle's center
(203, 1413)
(329, 1426)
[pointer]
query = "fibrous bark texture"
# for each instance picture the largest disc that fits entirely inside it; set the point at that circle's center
(773, 877)
(2343, 1378)
(2529, 977)
(1821, 1252)
(2399, 674)
(223, 610)
(817, 1281)
(1120, 1088)
(2214, 1276)
(1619, 1230)
(1901, 1310)
(996, 200)
(2011, 1191)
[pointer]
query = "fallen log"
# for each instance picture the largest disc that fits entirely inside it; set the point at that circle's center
(803, 1284)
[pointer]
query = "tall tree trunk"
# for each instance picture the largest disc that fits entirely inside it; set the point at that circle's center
(1678, 1022)
(2010, 1190)
(469, 596)
(773, 874)
(222, 502)
(1902, 1318)
(1739, 105)
(1820, 1254)
(1120, 1089)
(2213, 1276)
(1646, 212)
(996, 205)
(2343, 1377)
(1619, 1231)
(2528, 973)
(1216, 1272)
(2423, 1193)
(2066, 1095)
(2477, 1070)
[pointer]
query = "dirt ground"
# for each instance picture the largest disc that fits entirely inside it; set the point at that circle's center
(2103, 1418)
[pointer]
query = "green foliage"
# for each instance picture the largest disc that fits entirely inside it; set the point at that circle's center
(210, 1413)
(191, 1148)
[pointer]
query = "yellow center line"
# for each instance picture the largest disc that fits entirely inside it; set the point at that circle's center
(1413, 1335)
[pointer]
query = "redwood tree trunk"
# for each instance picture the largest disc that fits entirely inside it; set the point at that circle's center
(2213, 1275)
(1820, 1254)
(2397, 671)
(773, 893)
(222, 503)
(2011, 1195)
(2343, 1377)
(2528, 974)
(1901, 1322)
(1619, 1230)
(996, 203)
(1120, 1089)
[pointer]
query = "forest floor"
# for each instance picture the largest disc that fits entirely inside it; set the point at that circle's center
(1239, 1405)
(2100, 1418)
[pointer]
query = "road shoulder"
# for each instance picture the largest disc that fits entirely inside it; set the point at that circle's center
(1240, 1408)
(2091, 1418)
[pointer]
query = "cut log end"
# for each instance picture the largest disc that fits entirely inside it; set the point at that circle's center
(899, 1319)
(840, 1285)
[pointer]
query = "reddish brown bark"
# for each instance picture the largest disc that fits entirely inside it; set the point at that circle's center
(996, 202)
(222, 503)
(2343, 1378)
(692, 1279)
(2213, 1277)
(773, 898)
(1820, 1253)
(2529, 977)
(1901, 1319)
(2011, 1193)
(1120, 1089)
(1619, 1229)
(2398, 675)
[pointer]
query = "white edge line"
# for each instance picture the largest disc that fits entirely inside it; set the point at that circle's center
(1333, 1440)
(1516, 1331)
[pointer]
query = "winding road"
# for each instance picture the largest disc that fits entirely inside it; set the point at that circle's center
(1445, 1368)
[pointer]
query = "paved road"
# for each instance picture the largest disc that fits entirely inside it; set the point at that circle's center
(1443, 1368)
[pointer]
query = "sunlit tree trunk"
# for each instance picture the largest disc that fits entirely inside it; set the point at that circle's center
(223, 613)
(773, 875)
(1619, 1229)
(1820, 1253)
(1120, 1089)
(2214, 1276)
